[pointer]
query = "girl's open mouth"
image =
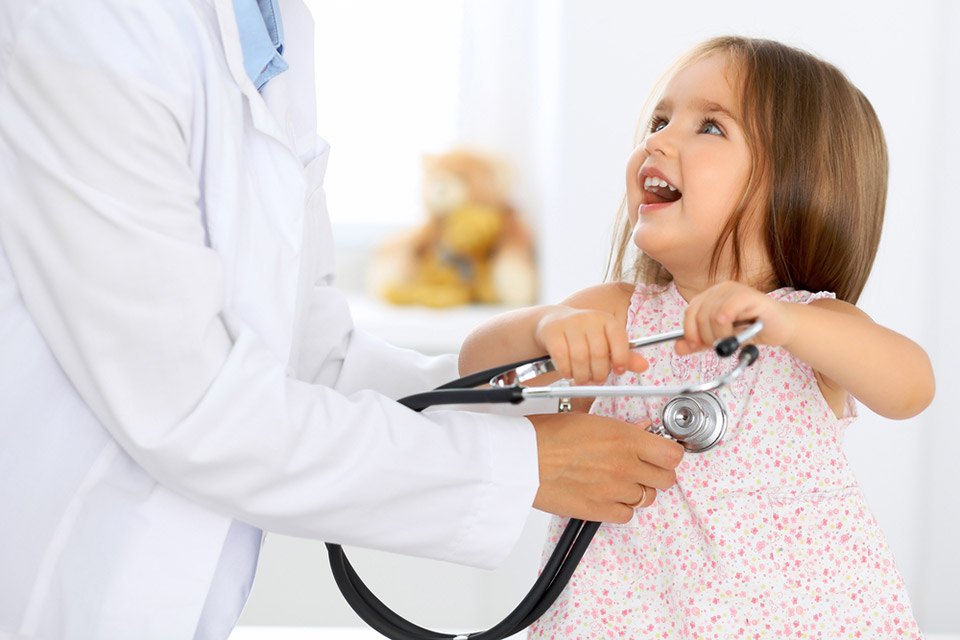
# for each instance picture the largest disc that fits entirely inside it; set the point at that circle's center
(659, 191)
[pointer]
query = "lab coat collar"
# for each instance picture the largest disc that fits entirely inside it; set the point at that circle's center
(263, 119)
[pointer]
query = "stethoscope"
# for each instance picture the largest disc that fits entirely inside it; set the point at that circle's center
(694, 417)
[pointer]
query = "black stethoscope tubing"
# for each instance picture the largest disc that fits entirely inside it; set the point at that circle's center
(553, 578)
(570, 548)
(549, 584)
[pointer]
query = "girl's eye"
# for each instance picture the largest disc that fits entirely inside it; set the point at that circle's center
(657, 124)
(711, 127)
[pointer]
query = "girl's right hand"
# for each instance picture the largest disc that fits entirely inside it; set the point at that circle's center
(585, 345)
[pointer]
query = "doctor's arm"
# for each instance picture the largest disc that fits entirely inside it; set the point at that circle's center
(589, 467)
(102, 227)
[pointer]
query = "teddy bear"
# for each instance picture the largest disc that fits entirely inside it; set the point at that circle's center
(472, 248)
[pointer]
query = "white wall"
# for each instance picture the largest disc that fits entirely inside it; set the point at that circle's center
(906, 59)
(558, 84)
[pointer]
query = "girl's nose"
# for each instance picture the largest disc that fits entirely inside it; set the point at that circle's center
(659, 142)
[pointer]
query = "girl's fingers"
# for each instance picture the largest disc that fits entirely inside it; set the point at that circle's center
(585, 348)
(691, 329)
(683, 348)
(560, 354)
(731, 307)
(599, 348)
(705, 328)
(691, 341)
(636, 362)
(712, 314)
(721, 321)
(579, 359)
(620, 355)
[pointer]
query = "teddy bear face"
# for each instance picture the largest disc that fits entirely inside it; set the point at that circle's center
(454, 179)
(443, 192)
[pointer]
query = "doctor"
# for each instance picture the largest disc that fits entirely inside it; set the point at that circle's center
(177, 372)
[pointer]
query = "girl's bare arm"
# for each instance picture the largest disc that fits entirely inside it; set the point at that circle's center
(884, 370)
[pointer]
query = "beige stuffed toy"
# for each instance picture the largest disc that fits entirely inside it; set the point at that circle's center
(472, 248)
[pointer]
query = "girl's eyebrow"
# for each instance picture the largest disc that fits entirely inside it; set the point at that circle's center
(703, 105)
(715, 107)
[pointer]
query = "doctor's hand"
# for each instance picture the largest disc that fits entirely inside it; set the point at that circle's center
(598, 468)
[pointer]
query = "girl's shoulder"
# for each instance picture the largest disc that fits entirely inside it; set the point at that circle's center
(799, 296)
(613, 297)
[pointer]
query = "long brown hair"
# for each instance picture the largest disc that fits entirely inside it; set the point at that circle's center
(819, 171)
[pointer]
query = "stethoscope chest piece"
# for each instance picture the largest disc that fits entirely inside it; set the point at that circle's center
(695, 420)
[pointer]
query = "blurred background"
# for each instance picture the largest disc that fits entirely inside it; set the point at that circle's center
(556, 87)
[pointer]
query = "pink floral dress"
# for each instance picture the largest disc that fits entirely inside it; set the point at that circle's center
(767, 535)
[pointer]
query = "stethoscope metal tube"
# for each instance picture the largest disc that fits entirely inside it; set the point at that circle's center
(747, 358)
(727, 347)
(694, 417)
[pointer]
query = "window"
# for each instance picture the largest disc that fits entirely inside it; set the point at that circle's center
(388, 85)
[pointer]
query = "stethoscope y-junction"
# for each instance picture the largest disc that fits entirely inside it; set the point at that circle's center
(694, 416)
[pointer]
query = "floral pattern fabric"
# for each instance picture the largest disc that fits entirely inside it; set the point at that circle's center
(766, 535)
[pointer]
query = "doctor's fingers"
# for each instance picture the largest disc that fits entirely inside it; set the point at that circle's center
(590, 464)
(648, 461)
(644, 474)
(654, 450)
(642, 497)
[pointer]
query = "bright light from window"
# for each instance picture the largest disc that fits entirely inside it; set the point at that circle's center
(388, 84)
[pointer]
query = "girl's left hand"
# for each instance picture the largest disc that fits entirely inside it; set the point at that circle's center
(712, 314)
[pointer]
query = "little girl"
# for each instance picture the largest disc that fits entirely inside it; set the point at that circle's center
(756, 190)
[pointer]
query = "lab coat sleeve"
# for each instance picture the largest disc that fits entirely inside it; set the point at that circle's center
(106, 241)
(398, 372)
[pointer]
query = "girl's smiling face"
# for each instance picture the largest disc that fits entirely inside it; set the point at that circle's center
(690, 173)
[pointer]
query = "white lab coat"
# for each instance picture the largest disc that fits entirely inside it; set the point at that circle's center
(174, 361)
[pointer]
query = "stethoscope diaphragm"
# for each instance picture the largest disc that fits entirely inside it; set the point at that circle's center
(695, 420)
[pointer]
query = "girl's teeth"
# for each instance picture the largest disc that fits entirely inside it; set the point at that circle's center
(649, 183)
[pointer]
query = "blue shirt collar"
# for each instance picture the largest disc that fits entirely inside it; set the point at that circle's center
(261, 38)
